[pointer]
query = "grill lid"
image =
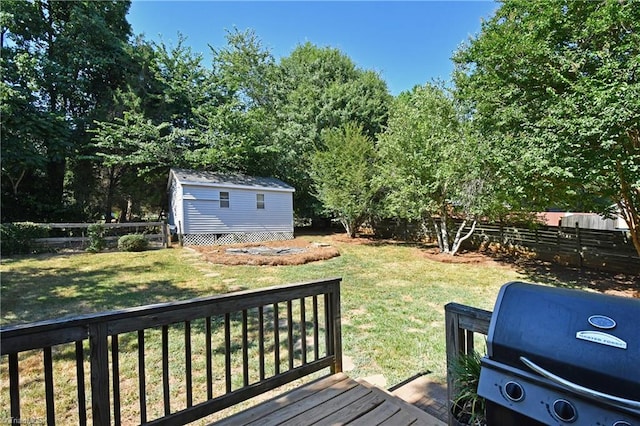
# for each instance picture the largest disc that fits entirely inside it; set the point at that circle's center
(586, 338)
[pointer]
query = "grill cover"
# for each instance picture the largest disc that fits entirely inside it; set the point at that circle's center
(587, 338)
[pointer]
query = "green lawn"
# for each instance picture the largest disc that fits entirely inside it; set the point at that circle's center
(392, 295)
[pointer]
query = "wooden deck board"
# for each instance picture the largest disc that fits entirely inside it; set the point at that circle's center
(333, 400)
(351, 411)
(378, 415)
(288, 399)
(323, 408)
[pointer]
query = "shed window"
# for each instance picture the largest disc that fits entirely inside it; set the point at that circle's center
(224, 200)
(260, 201)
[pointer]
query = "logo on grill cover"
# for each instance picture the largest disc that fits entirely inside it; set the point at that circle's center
(602, 322)
(601, 338)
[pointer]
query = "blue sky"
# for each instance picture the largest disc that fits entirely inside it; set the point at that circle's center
(407, 43)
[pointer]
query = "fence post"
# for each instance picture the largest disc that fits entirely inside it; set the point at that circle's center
(99, 354)
(180, 241)
(579, 245)
(165, 234)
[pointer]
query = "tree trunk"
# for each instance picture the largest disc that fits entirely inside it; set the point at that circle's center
(630, 199)
(112, 181)
(129, 215)
(347, 227)
(443, 230)
(632, 217)
(55, 178)
(457, 242)
(16, 182)
(438, 234)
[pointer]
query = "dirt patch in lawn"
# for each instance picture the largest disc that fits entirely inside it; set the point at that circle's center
(464, 257)
(269, 253)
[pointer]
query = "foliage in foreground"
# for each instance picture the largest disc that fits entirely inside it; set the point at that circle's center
(343, 175)
(133, 242)
(18, 238)
(562, 116)
(468, 406)
(430, 167)
(95, 234)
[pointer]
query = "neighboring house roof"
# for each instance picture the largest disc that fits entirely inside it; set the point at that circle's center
(228, 180)
(551, 218)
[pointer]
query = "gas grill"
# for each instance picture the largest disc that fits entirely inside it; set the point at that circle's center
(557, 356)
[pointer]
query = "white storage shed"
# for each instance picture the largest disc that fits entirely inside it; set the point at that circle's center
(215, 208)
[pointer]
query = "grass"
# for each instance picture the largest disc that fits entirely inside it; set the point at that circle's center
(392, 296)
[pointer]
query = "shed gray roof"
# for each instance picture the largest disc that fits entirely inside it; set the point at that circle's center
(204, 178)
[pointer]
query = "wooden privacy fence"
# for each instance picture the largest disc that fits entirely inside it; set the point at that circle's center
(230, 348)
(591, 248)
(463, 324)
(153, 231)
(600, 249)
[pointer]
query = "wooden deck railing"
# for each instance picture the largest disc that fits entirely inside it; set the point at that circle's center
(231, 347)
(462, 322)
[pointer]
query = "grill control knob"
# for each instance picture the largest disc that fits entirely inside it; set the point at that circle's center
(514, 391)
(564, 410)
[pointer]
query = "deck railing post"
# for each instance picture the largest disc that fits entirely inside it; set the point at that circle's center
(453, 349)
(336, 328)
(99, 351)
(461, 323)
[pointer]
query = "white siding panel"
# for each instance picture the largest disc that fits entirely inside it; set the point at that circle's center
(201, 217)
(206, 216)
(201, 192)
(175, 207)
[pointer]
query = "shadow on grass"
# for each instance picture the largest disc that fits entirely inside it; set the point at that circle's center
(38, 293)
(546, 272)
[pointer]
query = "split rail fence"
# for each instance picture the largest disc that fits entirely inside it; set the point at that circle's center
(76, 233)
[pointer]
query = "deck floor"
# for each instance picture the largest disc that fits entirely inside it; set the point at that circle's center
(334, 400)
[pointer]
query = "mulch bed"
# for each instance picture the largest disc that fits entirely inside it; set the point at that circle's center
(241, 254)
(533, 269)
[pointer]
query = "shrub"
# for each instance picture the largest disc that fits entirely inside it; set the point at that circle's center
(468, 407)
(133, 242)
(18, 237)
(97, 242)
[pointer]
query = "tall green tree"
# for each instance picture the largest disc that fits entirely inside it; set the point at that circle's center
(152, 126)
(132, 154)
(555, 86)
(238, 120)
(430, 166)
(63, 60)
(319, 89)
(342, 172)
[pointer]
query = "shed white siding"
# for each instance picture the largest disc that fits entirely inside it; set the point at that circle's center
(176, 212)
(195, 206)
(206, 216)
